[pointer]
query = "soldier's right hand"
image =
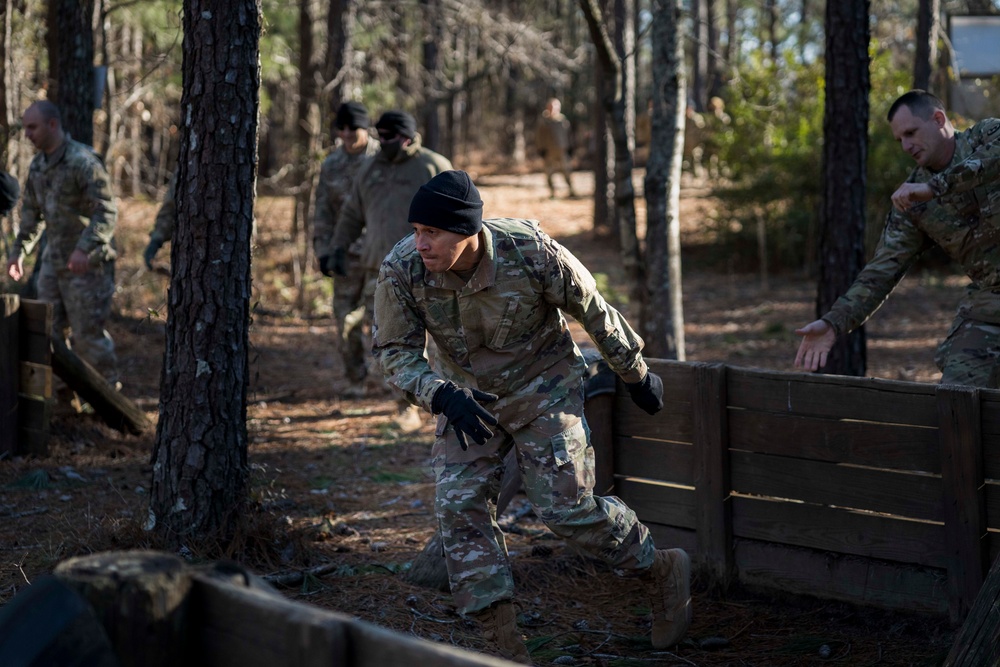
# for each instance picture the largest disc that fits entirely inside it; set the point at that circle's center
(338, 261)
(150, 253)
(464, 413)
(324, 266)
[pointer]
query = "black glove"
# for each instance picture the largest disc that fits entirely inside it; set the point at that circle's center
(647, 393)
(324, 266)
(466, 416)
(150, 252)
(338, 262)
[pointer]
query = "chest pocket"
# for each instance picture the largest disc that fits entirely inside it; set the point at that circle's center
(520, 316)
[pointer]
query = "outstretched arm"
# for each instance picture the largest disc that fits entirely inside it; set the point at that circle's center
(817, 340)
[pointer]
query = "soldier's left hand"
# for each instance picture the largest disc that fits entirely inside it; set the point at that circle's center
(647, 393)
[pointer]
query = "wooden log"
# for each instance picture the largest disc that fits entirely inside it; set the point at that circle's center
(963, 502)
(9, 363)
(140, 597)
(714, 511)
(978, 641)
(36, 379)
(112, 406)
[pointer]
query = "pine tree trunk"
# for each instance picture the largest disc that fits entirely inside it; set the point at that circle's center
(200, 457)
(71, 65)
(845, 158)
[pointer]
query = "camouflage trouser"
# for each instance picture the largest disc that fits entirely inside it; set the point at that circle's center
(557, 161)
(80, 307)
(348, 302)
(970, 355)
(556, 463)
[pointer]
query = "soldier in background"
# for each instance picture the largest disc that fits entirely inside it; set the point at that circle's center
(355, 145)
(377, 207)
(68, 194)
(163, 228)
(492, 295)
(553, 141)
(946, 201)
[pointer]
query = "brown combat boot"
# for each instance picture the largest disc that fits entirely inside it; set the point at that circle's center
(499, 623)
(671, 596)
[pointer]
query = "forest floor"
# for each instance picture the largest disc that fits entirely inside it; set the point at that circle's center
(348, 489)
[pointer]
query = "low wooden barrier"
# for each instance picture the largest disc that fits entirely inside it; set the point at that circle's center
(857, 489)
(156, 611)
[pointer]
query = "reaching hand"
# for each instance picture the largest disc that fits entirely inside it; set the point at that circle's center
(338, 262)
(464, 413)
(647, 393)
(817, 340)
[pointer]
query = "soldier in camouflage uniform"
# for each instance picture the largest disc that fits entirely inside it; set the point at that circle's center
(68, 194)
(950, 200)
(336, 177)
(377, 208)
(163, 227)
(492, 295)
(553, 142)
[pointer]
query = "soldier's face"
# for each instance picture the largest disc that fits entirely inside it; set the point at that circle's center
(39, 132)
(925, 140)
(353, 138)
(445, 251)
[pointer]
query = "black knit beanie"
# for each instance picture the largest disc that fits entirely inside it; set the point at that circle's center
(397, 122)
(10, 190)
(353, 115)
(449, 201)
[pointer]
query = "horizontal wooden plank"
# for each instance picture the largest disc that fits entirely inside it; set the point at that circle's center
(857, 580)
(858, 443)
(36, 380)
(677, 376)
(911, 495)
(833, 396)
(673, 423)
(656, 502)
(661, 461)
(670, 537)
(991, 494)
(236, 626)
(840, 531)
(36, 317)
(35, 349)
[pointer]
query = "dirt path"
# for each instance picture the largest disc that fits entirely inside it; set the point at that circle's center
(348, 488)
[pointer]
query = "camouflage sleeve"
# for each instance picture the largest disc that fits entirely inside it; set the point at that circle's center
(398, 337)
(983, 166)
(324, 217)
(900, 246)
(571, 287)
(94, 182)
(32, 224)
(350, 221)
(163, 228)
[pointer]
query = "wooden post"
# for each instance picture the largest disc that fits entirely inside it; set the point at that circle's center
(35, 391)
(978, 641)
(9, 372)
(599, 410)
(962, 480)
(140, 597)
(714, 509)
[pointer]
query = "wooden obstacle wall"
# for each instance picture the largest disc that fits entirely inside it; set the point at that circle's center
(869, 491)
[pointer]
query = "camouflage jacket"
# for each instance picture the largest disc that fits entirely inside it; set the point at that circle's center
(68, 194)
(503, 331)
(163, 228)
(379, 204)
(552, 135)
(964, 219)
(336, 175)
